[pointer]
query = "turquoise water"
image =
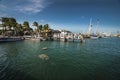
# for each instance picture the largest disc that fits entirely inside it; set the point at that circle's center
(91, 60)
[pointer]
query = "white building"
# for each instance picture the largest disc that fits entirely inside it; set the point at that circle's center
(66, 34)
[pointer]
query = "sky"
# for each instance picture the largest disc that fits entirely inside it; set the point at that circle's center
(73, 15)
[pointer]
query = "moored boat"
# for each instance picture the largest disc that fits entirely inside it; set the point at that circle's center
(94, 37)
(10, 39)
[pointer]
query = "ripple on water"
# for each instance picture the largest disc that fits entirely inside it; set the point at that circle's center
(3, 65)
(67, 61)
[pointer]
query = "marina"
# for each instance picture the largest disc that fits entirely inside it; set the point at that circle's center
(60, 40)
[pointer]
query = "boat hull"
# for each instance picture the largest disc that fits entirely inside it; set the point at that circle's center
(12, 39)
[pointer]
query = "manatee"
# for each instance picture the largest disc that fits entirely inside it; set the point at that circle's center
(45, 48)
(43, 57)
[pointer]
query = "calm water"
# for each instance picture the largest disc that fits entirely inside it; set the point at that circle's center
(92, 60)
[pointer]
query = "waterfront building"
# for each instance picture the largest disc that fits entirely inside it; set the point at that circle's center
(56, 34)
(66, 34)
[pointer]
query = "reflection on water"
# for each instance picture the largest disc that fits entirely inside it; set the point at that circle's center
(91, 60)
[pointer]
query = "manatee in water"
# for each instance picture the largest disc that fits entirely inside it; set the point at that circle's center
(43, 57)
(45, 48)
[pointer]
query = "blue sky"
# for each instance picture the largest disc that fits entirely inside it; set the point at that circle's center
(73, 15)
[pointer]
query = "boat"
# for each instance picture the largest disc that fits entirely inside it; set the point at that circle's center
(27, 37)
(10, 39)
(42, 39)
(94, 37)
(38, 39)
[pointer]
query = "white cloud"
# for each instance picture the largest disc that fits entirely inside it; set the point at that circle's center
(23, 6)
(32, 6)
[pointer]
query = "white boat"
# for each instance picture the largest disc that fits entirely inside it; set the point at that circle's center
(38, 39)
(42, 39)
(94, 37)
(27, 37)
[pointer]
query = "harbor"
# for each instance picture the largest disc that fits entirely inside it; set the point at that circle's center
(48, 54)
(60, 40)
(44, 32)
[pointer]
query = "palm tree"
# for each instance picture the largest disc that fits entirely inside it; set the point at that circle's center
(46, 30)
(36, 25)
(20, 30)
(4, 23)
(26, 27)
(12, 23)
(46, 27)
(8, 23)
(40, 27)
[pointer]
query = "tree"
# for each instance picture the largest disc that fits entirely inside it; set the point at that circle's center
(26, 25)
(40, 27)
(35, 24)
(20, 30)
(46, 31)
(8, 23)
(26, 28)
(46, 27)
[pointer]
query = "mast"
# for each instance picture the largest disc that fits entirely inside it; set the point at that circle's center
(97, 26)
(90, 26)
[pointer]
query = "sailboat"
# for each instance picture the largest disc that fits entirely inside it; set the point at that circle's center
(92, 35)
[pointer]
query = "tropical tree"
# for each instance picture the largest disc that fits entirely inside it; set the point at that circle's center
(20, 30)
(46, 27)
(46, 30)
(7, 23)
(40, 27)
(26, 27)
(35, 24)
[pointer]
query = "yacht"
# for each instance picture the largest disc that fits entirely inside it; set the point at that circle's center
(94, 37)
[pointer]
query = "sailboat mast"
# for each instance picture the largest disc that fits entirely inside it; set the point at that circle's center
(97, 26)
(90, 26)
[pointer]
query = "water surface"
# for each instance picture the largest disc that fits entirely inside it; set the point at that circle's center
(91, 60)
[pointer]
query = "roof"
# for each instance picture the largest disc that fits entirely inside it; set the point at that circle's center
(56, 31)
